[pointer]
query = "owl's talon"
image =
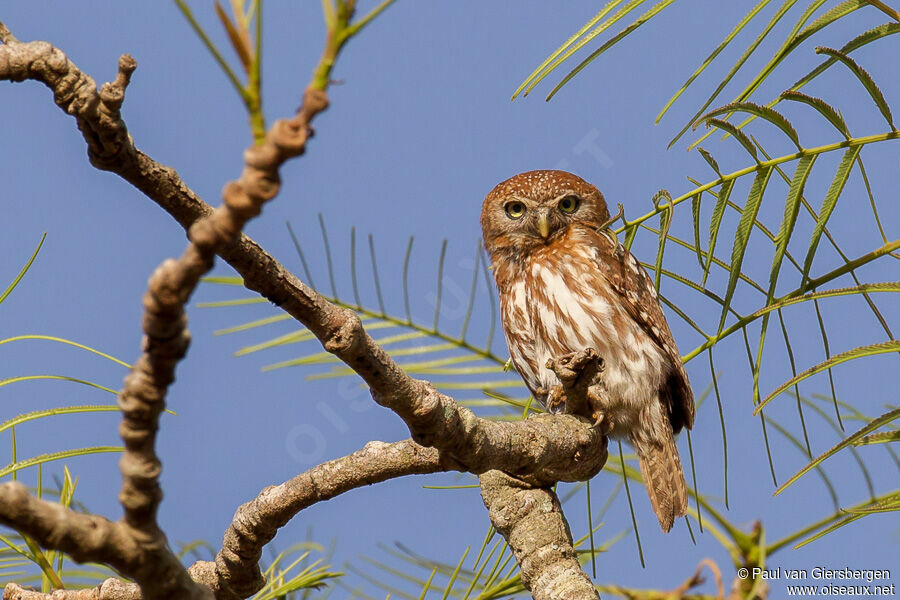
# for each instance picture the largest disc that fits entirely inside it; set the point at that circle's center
(556, 399)
(600, 422)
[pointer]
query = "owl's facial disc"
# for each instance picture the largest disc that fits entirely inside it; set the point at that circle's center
(535, 208)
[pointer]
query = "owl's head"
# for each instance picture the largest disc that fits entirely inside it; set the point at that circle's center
(536, 207)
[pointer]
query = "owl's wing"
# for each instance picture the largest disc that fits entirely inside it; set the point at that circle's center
(635, 288)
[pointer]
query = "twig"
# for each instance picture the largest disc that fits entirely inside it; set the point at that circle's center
(6, 35)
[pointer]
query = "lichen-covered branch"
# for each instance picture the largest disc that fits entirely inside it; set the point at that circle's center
(532, 522)
(256, 522)
(109, 145)
(111, 589)
(87, 538)
(539, 447)
(6, 35)
(235, 573)
(166, 339)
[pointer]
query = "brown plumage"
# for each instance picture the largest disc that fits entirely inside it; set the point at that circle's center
(565, 285)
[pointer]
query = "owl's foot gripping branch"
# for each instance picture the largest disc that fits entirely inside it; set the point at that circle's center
(581, 390)
(518, 461)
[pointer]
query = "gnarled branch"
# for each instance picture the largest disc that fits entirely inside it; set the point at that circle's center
(136, 545)
(433, 418)
(539, 451)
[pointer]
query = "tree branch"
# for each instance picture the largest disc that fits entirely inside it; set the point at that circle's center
(6, 35)
(539, 451)
(434, 419)
(256, 522)
(581, 390)
(166, 338)
(111, 589)
(236, 573)
(87, 538)
(532, 522)
(154, 567)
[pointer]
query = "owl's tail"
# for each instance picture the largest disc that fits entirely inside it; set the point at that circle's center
(663, 477)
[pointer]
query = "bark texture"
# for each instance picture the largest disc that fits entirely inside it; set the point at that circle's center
(532, 521)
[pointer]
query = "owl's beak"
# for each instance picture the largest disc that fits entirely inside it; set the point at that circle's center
(543, 225)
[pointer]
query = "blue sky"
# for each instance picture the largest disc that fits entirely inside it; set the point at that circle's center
(419, 130)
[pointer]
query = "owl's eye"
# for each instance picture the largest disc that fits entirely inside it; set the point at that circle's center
(515, 210)
(569, 204)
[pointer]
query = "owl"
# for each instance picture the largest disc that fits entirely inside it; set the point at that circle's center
(566, 285)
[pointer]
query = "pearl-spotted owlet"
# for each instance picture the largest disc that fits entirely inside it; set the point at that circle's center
(566, 285)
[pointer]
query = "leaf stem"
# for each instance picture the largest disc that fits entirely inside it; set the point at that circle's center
(852, 142)
(254, 84)
(238, 86)
(809, 285)
(885, 9)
